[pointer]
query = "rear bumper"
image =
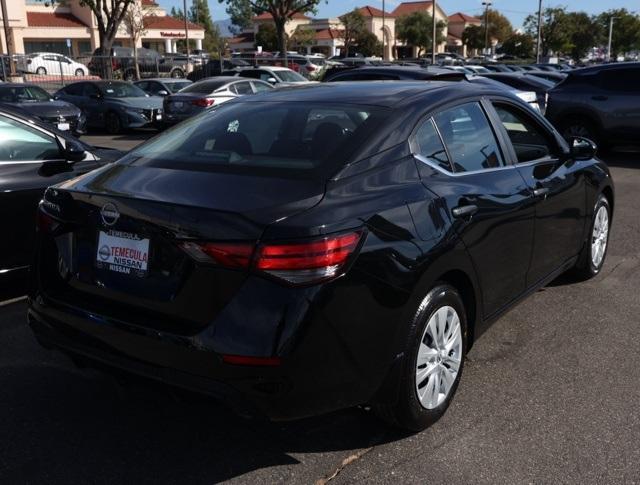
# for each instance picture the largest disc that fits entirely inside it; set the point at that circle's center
(319, 375)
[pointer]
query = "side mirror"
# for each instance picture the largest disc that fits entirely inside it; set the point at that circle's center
(74, 151)
(272, 80)
(162, 92)
(582, 148)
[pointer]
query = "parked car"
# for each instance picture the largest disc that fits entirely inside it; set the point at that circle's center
(207, 93)
(113, 105)
(524, 82)
(33, 156)
(44, 63)
(35, 102)
(308, 66)
(554, 77)
(150, 64)
(314, 249)
(162, 86)
(275, 75)
(477, 69)
(529, 97)
(391, 73)
(600, 102)
(215, 68)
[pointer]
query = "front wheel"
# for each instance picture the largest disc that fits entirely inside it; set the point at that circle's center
(433, 361)
(79, 72)
(594, 252)
(177, 74)
(41, 71)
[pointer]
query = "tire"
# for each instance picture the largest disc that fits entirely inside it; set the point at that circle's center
(129, 75)
(41, 71)
(113, 124)
(423, 368)
(79, 72)
(594, 252)
(578, 126)
(177, 74)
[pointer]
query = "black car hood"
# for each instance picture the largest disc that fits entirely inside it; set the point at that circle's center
(47, 109)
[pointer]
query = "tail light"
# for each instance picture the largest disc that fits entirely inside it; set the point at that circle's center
(311, 67)
(45, 223)
(301, 263)
(203, 102)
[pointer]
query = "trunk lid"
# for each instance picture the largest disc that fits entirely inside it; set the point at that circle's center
(119, 255)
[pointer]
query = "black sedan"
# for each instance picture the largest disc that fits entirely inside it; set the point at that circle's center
(316, 248)
(35, 102)
(34, 156)
(113, 105)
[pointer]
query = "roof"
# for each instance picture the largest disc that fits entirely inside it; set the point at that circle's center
(53, 19)
(167, 22)
(369, 11)
(243, 37)
(329, 34)
(148, 3)
(406, 8)
(268, 16)
(463, 17)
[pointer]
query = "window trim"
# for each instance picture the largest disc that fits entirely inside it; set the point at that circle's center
(49, 134)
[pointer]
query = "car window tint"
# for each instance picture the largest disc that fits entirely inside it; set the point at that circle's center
(242, 88)
(429, 145)
(74, 89)
(293, 139)
(621, 80)
(143, 85)
(21, 143)
(259, 87)
(255, 75)
(469, 138)
(90, 90)
(527, 138)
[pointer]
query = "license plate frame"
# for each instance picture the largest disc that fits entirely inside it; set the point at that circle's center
(64, 126)
(122, 252)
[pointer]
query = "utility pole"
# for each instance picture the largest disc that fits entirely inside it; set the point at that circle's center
(7, 37)
(384, 50)
(186, 32)
(486, 26)
(610, 38)
(434, 36)
(539, 42)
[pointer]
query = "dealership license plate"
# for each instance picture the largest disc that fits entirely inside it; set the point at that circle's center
(63, 126)
(123, 252)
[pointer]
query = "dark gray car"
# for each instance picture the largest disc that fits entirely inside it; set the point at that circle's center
(162, 86)
(113, 105)
(601, 103)
(35, 102)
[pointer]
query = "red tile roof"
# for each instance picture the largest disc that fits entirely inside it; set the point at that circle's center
(149, 3)
(167, 22)
(268, 16)
(406, 8)
(368, 11)
(463, 17)
(328, 34)
(52, 19)
(243, 38)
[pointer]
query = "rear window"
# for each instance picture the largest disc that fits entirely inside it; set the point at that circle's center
(279, 138)
(205, 87)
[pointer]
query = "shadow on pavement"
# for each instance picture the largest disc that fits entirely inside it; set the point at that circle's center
(64, 425)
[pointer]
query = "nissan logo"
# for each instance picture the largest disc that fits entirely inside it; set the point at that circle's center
(109, 214)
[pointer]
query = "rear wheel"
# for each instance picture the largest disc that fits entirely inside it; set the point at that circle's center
(177, 73)
(433, 361)
(129, 75)
(79, 72)
(41, 71)
(113, 124)
(594, 252)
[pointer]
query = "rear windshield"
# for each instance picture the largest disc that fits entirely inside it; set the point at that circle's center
(122, 90)
(290, 76)
(174, 87)
(205, 87)
(278, 138)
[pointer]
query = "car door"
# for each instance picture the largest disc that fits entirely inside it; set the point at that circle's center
(65, 64)
(617, 99)
(460, 159)
(50, 63)
(557, 185)
(93, 105)
(30, 161)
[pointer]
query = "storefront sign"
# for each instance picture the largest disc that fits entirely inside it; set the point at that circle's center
(171, 34)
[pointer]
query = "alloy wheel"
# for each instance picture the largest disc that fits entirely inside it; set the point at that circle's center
(439, 357)
(599, 236)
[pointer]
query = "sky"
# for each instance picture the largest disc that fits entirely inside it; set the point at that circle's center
(515, 10)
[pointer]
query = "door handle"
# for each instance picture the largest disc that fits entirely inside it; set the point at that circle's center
(600, 98)
(464, 211)
(541, 192)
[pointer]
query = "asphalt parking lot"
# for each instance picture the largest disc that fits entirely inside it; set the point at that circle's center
(550, 395)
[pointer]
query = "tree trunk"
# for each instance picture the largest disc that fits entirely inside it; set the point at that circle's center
(282, 40)
(105, 59)
(135, 58)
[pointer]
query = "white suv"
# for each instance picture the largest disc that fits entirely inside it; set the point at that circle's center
(44, 63)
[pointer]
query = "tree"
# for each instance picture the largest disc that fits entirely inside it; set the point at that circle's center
(281, 10)
(584, 32)
(353, 26)
(303, 36)
(626, 28)
(519, 45)
(499, 26)
(177, 13)
(267, 37)
(201, 15)
(368, 44)
(134, 24)
(555, 32)
(473, 37)
(416, 29)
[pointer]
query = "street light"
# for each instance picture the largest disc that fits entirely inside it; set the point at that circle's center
(486, 26)
(433, 33)
(384, 50)
(610, 38)
(539, 32)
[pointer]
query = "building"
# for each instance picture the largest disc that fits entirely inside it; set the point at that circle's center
(457, 23)
(71, 29)
(329, 37)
